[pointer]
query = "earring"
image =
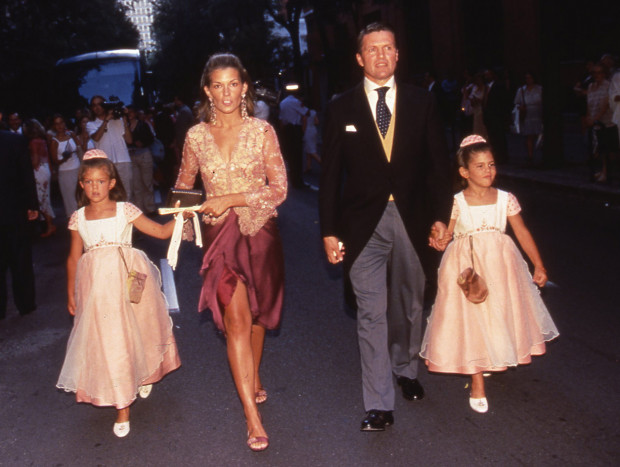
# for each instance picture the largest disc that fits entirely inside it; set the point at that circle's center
(212, 119)
(244, 107)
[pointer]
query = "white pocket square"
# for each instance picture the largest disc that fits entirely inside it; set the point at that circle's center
(351, 129)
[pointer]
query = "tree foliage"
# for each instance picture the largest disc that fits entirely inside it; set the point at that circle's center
(189, 31)
(34, 34)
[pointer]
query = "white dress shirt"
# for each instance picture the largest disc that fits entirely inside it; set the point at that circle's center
(373, 96)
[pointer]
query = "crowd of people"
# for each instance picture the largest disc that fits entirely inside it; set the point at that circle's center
(386, 206)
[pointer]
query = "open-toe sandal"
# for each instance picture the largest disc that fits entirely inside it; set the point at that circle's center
(258, 443)
(261, 396)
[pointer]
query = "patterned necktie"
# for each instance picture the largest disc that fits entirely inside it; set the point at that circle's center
(383, 113)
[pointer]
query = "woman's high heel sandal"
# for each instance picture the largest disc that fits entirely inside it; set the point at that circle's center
(261, 396)
(257, 443)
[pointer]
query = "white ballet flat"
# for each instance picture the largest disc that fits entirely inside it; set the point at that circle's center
(145, 390)
(479, 405)
(121, 429)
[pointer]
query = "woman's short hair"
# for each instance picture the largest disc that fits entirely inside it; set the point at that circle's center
(218, 62)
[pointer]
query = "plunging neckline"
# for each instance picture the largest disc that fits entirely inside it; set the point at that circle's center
(233, 151)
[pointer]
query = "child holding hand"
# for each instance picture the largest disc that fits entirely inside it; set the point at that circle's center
(512, 323)
(117, 348)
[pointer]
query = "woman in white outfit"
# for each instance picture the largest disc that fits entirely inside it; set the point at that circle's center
(64, 151)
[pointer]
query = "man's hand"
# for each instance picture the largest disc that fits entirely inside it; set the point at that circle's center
(334, 249)
(439, 236)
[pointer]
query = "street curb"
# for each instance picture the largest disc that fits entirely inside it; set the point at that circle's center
(591, 190)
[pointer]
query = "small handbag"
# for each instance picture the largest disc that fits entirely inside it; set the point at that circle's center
(473, 285)
(135, 281)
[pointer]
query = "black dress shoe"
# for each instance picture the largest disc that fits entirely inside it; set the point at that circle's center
(412, 389)
(377, 420)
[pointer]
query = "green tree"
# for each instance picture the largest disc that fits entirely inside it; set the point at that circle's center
(34, 34)
(189, 31)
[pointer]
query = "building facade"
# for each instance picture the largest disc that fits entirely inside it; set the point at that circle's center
(141, 14)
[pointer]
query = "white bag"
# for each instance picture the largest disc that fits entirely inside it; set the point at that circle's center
(515, 124)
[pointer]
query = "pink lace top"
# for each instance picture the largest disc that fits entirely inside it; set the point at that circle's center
(255, 168)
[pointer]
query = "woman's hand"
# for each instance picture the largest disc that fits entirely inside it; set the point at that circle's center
(215, 206)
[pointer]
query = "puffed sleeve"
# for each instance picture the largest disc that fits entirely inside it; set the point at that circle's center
(132, 212)
(513, 205)
(273, 193)
(73, 221)
(456, 212)
(189, 164)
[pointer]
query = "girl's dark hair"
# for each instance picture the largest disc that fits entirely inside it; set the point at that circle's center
(218, 62)
(117, 193)
(463, 156)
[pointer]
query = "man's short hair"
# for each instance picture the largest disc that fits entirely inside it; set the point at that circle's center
(373, 27)
(96, 97)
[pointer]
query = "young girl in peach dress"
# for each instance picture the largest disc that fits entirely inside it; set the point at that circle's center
(117, 348)
(512, 323)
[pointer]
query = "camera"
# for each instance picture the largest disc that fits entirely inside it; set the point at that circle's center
(116, 106)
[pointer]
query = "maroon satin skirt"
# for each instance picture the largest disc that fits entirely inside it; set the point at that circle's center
(257, 261)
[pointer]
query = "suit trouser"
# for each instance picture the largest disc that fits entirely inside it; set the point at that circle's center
(292, 150)
(16, 256)
(142, 180)
(125, 171)
(388, 282)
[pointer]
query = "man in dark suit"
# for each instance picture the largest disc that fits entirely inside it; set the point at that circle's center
(384, 186)
(19, 205)
(495, 113)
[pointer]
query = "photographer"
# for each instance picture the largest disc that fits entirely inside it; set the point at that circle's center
(110, 132)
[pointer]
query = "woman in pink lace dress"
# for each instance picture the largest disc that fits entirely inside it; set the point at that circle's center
(239, 160)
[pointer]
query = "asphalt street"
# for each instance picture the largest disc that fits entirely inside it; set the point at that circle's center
(563, 409)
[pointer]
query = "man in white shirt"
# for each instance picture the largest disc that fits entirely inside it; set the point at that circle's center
(112, 136)
(292, 115)
(15, 124)
(384, 186)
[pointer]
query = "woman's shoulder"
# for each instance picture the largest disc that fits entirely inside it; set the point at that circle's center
(198, 129)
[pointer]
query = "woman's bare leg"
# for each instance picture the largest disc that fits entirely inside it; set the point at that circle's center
(238, 324)
(258, 341)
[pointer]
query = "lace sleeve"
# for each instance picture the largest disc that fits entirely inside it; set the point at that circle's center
(73, 221)
(513, 205)
(132, 212)
(456, 212)
(189, 164)
(272, 194)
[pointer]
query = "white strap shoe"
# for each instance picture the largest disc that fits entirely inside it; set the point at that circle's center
(121, 429)
(479, 405)
(145, 390)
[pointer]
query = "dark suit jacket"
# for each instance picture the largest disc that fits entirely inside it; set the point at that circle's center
(357, 179)
(18, 191)
(495, 111)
